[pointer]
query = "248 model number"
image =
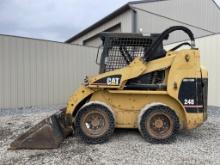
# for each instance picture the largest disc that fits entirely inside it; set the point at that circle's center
(189, 101)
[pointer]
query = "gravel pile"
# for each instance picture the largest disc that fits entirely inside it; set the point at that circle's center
(200, 146)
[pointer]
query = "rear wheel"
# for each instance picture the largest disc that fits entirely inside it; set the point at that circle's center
(94, 123)
(159, 124)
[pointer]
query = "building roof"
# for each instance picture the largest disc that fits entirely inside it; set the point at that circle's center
(108, 17)
(114, 14)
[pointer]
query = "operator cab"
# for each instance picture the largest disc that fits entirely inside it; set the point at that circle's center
(119, 49)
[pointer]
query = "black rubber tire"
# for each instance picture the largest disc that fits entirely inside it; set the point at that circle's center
(81, 133)
(163, 109)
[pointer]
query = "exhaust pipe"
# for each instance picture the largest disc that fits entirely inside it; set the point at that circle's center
(48, 134)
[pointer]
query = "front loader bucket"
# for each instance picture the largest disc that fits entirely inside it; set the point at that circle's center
(48, 134)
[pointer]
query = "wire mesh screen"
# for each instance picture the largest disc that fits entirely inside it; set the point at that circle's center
(121, 48)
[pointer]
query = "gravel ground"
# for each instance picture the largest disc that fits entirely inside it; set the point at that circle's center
(199, 146)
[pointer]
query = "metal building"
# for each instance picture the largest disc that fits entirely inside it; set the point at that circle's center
(40, 72)
(153, 16)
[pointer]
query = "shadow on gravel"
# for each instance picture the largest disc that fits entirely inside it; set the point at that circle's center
(5, 133)
(124, 131)
(206, 132)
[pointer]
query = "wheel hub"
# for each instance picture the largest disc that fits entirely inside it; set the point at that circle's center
(158, 123)
(94, 121)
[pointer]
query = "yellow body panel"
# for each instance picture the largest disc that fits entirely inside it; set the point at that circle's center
(127, 104)
(76, 98)
(194, 120)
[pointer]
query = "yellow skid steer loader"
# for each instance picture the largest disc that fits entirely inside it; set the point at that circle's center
(139, 85)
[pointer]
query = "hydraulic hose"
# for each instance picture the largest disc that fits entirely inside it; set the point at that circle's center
(164, 35)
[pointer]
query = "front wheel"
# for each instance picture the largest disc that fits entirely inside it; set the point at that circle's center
(94, 123)
(159, 124)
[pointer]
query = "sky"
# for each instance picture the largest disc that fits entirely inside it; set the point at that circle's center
(55, 20)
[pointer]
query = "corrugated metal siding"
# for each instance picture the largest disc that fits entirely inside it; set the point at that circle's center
(96, 41)
(35, 72)
(153, 24)
(210, 57)
(124, 19)
(201, 13)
